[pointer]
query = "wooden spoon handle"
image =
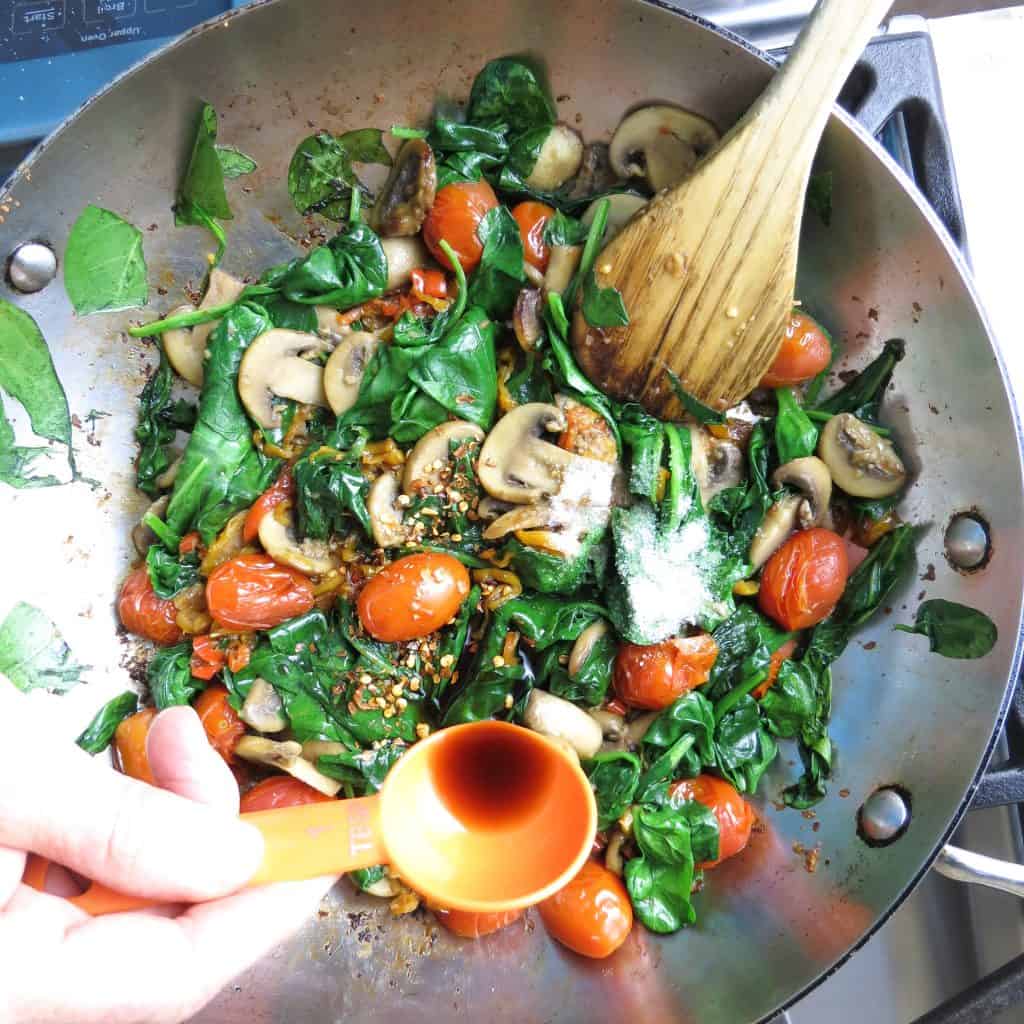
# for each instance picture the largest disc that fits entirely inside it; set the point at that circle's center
(799, 99)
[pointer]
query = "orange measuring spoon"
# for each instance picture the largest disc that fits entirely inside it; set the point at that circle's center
(484, 817)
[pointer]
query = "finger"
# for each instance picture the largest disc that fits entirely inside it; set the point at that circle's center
(12, 867)
(183, 761)
(128, 835)
(130, 967)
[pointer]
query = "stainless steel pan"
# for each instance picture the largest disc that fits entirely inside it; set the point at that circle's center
(769, 928)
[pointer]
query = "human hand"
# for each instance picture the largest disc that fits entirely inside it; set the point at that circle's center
(57, 964)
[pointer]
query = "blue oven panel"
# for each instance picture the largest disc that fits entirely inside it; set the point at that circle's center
(49, 28)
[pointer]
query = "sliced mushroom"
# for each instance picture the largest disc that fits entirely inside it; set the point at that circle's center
(521, 517)
(595, 173)
(328, 325)
(811, 477)
(613, 854)
(385, 888)
(408, 193)
(533, 275)
(636, 729)
(274, 365)
(343, 374)
(613, 726)
(515, 464)
(287, 756)
(263, 708)
(778, 523)
(563, 262)
(861, 462)
(717, 465)
(489, 508)
(560, 719)
(432, 453)
(385, 515)
(621, 207)
(312, 557)
(584, 645)
(559, 159)
(312, 749)
(526, 318)
(404, 255)
(142, 536)
(660, 142)
(186, 347)
(165, 481)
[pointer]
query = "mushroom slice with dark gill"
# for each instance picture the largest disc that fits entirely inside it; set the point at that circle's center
(811, 477)
(433, 451)
(861, 462)
(408, 193)
(661, 143)
(517, 465)
(717, 464)
(274, 365)
(385, 515)
(778, 523)
(263, 709)
(343, 372)
(277, 535)
(285, 755)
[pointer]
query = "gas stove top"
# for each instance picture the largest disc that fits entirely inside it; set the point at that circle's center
(933, 109)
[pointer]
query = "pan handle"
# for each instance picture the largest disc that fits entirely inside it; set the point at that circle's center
(964, 866)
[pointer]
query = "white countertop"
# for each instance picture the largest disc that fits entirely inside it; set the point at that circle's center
(981, 70)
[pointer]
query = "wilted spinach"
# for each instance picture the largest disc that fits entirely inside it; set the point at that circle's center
(171, 573)
(202, 200)
(170, 676)
(954, 630)
(320, 176)
(795, 435)
(96, 736)
(160, 418)
(34, 655)
(27, 375)
(863, 395)
(614, 777)
(104, 266)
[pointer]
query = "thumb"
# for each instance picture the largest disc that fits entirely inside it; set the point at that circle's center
(183, 761)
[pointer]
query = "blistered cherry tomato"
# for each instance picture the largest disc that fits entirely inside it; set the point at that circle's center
(804, 354)
(469, 925)
(220, 720)
(454, 218)
(592, 915)
(532, 218)
(189, 543)
(207, 657)
(130, 745)
(279, 791)
(280, 490)
(413, 597)
(254, 592)
(430, 284)
(653, 677)
(803, 581)
(143, 613)
(735, 816)
(778, 657)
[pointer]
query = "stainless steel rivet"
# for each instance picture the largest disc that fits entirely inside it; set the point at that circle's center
(884, 816)
(32, 267)
(966, 541)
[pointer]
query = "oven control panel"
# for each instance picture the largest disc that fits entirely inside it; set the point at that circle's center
(30, 29)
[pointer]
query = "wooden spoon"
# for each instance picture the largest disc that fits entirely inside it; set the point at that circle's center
(707, 268)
